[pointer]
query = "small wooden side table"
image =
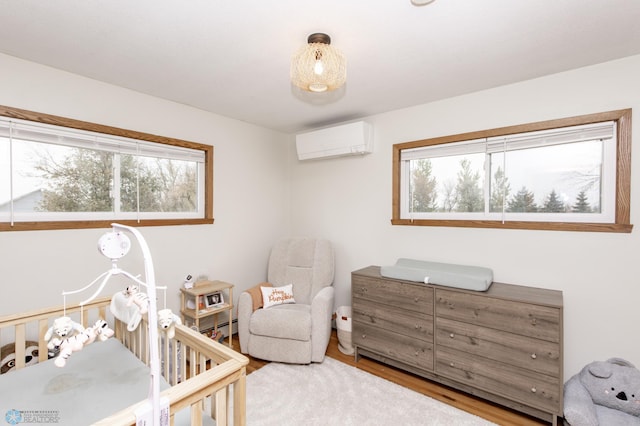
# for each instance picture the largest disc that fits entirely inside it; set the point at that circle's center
(198, 295)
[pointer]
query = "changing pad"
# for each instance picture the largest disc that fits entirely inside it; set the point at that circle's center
(460, 276)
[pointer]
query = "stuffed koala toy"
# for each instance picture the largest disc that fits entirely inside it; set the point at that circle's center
(603, 393)
(167, 321)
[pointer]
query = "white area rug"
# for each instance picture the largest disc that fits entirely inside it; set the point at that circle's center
(336, 394)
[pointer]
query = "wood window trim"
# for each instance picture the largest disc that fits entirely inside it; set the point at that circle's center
(115, 131)
(622, 222)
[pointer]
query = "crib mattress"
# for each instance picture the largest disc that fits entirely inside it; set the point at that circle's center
(101, 379)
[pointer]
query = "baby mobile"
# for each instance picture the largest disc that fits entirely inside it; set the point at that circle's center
(129, 305)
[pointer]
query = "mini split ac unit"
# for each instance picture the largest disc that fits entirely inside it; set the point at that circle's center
(347, 139)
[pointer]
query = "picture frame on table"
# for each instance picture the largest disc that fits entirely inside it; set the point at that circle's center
(214, 299)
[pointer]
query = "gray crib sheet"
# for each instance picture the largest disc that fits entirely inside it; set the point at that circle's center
(101, 379)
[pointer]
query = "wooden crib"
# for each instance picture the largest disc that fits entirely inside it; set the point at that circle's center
(201, 373)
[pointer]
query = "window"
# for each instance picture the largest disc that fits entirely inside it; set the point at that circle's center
(58, 173)
(568, 174)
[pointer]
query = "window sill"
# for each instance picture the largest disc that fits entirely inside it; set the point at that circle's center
(41, 226)
(541, 226)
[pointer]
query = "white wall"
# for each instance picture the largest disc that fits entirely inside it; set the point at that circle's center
(251, 195)
(348, 200)
(262, 193)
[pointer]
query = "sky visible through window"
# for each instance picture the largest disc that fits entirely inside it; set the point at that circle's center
(24, 155)
(568, 169)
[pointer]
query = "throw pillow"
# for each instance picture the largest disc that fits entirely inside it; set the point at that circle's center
(272, 296)
(256, 295)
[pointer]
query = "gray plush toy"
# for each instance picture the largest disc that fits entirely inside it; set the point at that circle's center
(603, 393)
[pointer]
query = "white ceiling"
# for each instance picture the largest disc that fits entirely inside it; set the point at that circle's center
(231, 57)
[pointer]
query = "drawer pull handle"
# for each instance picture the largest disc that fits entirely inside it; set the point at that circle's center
(451, 365)
(452, 335)
(364, 336)
(417, 326)
(534, 390)
(534, 356)
(416, 300)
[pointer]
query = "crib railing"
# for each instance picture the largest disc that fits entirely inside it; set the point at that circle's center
(200, 370)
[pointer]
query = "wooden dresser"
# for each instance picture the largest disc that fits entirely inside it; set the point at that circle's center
(503, 345)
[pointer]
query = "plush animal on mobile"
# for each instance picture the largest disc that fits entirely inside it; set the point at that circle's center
(102, 330)
(78, 341)
(8, 356)
(134, 296)
(62, 328)
(167, 321)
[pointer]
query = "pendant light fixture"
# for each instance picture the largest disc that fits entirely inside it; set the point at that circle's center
(318, 66)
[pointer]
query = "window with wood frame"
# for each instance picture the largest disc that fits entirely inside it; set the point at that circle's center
(569, 174)
(60, 173)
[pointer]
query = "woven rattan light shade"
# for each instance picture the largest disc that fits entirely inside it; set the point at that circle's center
(318, 66)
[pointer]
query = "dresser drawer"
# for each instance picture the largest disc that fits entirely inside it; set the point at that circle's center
(418, 353)
(406, 296)
(417, 325)
(520, 351)
(530, 388)
(541, 322)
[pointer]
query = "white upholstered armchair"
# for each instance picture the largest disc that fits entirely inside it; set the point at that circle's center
(297, 332)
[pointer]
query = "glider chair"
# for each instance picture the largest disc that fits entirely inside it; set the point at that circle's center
(292, 322)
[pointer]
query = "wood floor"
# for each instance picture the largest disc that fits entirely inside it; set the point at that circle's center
(463, 401)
